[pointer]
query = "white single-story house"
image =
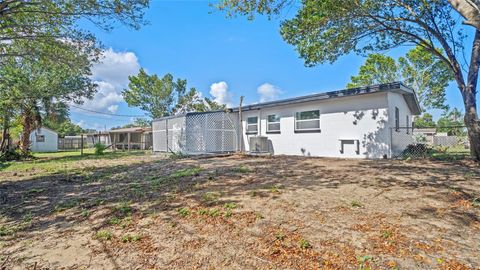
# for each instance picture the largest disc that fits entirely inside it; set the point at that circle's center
(43, 139)
(366, 122)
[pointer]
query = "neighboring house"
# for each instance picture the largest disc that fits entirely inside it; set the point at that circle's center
(366, 122)
(100, 137)
(425, 134)
(43, 140)
(131, 138)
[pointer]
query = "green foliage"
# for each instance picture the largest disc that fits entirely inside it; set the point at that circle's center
(242, 169)
(377, 69)
(59, 20)
(164, 96)
(424, 121)
(304, 244)
(419, 69)
(195, 171)
(131, 238)
(99, 149)
(184, 212)
(452, 123)
(103, 235)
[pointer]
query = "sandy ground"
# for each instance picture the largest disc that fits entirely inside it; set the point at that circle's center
(237, 212)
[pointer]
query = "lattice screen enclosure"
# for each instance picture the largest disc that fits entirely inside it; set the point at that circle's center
(197, 133)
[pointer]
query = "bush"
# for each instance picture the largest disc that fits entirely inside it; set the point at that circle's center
(100, 149)
(418, 150)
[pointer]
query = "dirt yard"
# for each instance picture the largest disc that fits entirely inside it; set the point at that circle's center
(150, 212)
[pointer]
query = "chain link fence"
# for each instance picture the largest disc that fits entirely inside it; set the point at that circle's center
(196, 133)
(442, 142)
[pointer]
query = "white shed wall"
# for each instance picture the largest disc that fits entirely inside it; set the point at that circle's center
(363, 118)
(49, 145)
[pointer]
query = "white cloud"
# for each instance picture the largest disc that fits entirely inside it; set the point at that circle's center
(111, 75)
(221, 94)
(116, 66)
(81, 123)
(268, 92)
(112, 108)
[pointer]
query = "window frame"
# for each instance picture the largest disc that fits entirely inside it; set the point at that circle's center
(247, 125)
(278, 122)
(297, 130)
(37, 136)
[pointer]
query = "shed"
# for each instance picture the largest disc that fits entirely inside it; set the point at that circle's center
(197, 133)
(43, 140)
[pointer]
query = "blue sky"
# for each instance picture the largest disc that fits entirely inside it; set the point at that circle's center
(191, 40)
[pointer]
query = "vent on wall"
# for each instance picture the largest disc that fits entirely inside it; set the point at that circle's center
(259, 144)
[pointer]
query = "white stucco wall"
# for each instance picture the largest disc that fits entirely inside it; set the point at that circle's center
(403, 137)
(363, 118)
(49, 145)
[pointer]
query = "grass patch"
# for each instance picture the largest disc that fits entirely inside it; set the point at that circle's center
(242, 169)
(184, 212)
(355, 203)
(131, 238)
(103, 235)
(230, 205)
(195, 171)
(65, 205)
(211, 196)
(304, 244)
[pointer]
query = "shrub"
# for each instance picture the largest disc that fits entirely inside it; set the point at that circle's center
(99, 149)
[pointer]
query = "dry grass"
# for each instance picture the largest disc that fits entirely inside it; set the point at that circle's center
(146, 212)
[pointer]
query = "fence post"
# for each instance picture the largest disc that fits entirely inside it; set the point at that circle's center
(81, 144)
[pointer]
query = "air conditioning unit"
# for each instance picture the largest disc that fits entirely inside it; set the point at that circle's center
(259, 144)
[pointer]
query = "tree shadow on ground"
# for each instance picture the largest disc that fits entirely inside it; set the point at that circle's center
(59, 201)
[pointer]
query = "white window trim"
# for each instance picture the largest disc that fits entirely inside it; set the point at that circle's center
(307, 120)
(247, 125)
(268, 124)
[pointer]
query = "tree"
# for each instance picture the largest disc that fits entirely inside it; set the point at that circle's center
(324, 30)
(43, 22)
(32, 85)
(427, 75)
(378, 69)
(424, 121)
(164, 96)
(451, 122)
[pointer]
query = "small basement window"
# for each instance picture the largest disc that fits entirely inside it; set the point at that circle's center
(252, 125)
(307, 121)
(273, 123)
(40, 138)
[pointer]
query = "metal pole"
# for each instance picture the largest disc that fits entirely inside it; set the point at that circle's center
(240, 125)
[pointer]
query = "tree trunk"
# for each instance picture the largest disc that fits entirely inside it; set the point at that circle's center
(473, 125)
(6, 142)
(469, 93)
(27, 121)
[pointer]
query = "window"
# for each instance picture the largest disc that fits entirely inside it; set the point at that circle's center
(252, 125)
(408, 124)
(40, 138)
(273, 123)
(307, 121)
(397, 119)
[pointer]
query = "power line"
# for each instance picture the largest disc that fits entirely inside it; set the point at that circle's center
(110, 114)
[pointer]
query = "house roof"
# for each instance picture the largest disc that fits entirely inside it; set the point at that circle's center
(425, 130)
(398, 87)
(46, 128)
(131, 130)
